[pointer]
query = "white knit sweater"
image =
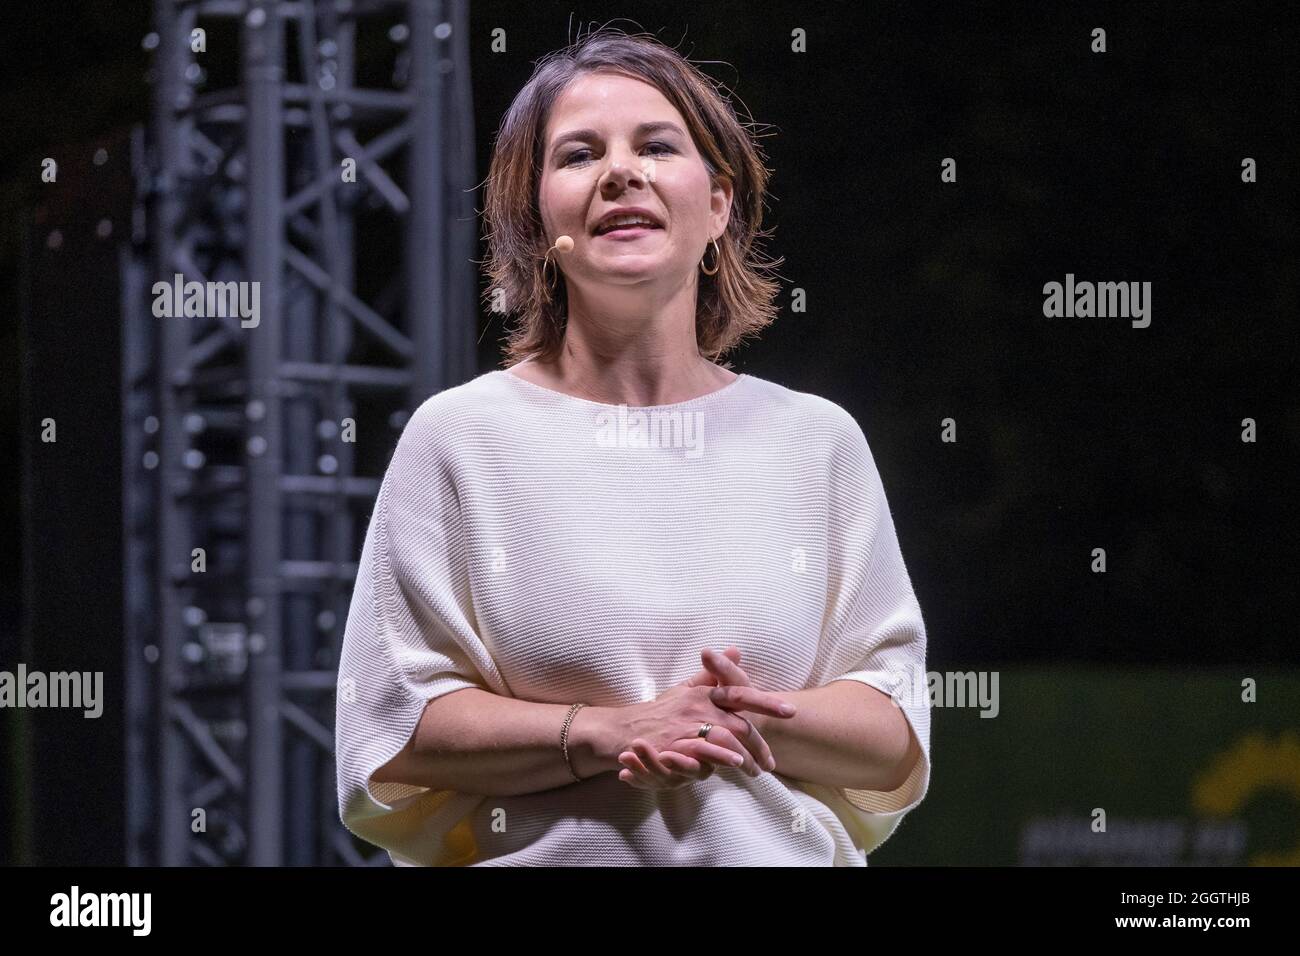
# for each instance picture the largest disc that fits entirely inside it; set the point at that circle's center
(554, 549)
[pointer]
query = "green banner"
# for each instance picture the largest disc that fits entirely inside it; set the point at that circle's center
(1132, 767)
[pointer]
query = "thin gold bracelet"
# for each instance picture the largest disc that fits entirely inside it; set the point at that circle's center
(564, 738)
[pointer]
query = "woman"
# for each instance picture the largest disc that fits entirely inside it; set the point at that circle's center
(556, 547)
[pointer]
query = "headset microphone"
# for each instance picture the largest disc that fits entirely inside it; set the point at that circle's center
(563, 244)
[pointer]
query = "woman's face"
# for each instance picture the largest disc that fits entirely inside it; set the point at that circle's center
(598, 155)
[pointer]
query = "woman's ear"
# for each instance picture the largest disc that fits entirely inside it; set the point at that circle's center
(720, 203)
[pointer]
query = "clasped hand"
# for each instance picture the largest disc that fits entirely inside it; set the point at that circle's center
(660, 758)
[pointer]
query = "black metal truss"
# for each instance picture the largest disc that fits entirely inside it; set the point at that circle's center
(235, 433)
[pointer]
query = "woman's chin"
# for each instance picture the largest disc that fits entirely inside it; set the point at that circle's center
(628, 268)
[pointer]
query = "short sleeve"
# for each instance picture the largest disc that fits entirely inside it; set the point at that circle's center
(410, 637)
(873, 631)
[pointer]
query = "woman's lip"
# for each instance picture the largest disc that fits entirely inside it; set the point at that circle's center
(627, 232)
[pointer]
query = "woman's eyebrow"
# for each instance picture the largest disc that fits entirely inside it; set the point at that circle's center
(644, 129)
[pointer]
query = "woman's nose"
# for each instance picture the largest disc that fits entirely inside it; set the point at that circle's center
(622, 171)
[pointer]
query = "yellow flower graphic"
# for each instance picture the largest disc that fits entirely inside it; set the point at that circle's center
(1253, 764)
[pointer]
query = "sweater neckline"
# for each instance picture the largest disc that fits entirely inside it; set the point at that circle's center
(574, 399)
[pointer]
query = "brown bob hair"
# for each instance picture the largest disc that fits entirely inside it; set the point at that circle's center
(732, 305)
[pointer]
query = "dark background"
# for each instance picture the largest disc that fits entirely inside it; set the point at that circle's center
(924, 302)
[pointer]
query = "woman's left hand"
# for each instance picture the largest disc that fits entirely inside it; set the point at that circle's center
(649, 769)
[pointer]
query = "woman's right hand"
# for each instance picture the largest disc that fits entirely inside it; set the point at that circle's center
(670, 723)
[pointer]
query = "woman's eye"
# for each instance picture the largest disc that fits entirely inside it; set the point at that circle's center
(578, 152)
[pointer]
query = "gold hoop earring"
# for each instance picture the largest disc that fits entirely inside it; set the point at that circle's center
(554, 280)
(717, 260)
